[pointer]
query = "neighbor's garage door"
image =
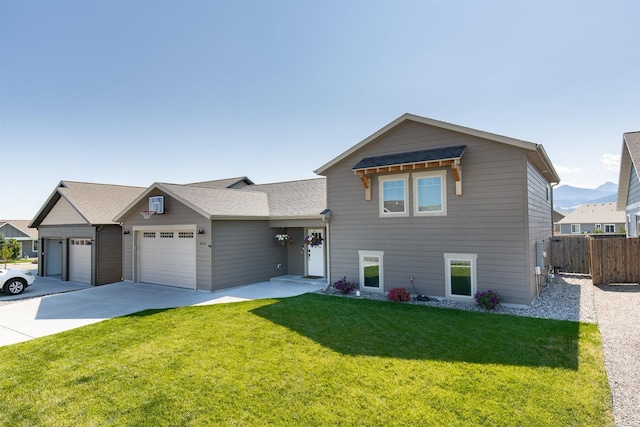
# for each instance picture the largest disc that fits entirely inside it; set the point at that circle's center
(80, 260)
(167, 258)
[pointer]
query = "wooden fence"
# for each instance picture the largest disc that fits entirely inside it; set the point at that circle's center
(608, 259)
(570, 254)
(615, 260)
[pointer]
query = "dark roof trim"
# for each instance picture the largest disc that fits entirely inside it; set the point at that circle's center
(435, 154)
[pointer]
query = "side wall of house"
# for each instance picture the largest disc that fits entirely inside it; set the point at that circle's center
(175, 214)
(488, 219)
(108, 254)
(633, 205)
(244, 252)
(540, 224)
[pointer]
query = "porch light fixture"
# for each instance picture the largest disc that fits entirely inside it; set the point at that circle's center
(126, 232)
(200, 231)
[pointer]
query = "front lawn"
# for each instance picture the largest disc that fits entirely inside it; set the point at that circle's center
(309, 360)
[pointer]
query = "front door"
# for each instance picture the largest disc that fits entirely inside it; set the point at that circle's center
(315, 254)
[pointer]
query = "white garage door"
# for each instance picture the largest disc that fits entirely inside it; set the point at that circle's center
(80, 260)
(167, 257)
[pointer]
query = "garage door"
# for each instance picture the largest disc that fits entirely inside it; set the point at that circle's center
(80, 260)
(167, 258)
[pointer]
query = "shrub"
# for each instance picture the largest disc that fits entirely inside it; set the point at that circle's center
(488, 299)
(344, 286)
(399, 295)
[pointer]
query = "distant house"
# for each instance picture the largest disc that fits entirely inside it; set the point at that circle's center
(441, 210)
(19, 230)
(557, 216)
(629, 184)
(593, 218)
(78, 237)
(218, 234)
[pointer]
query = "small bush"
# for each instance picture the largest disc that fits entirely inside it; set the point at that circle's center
(488, 299)
(344, 286)
(399, 295)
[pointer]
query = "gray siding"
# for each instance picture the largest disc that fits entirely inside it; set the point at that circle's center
(489, 219)
(108, 254)
(244, 252)
(175, 214)
(540, 219)
(633, 205)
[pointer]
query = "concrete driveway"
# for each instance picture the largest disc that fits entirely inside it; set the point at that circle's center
(46, 315)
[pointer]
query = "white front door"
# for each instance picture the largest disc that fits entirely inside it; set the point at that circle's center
(315, 254)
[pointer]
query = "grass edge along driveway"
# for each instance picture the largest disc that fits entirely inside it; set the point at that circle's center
(309, 360)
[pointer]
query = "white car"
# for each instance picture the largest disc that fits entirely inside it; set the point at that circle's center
(15, 281)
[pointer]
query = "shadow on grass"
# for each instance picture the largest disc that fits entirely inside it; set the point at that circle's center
(384, 329)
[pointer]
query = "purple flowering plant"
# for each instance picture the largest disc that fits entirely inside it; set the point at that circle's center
(488, 299)
(344, 286)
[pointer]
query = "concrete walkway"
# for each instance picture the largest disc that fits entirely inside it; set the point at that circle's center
(46, 315)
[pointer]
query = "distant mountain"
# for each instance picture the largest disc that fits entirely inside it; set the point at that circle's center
(566, 198)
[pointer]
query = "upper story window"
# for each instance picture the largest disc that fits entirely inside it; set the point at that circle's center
(393, 195)
(429, 193)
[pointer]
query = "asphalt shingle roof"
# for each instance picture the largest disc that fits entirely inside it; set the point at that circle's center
(411, 157)
(595, 213)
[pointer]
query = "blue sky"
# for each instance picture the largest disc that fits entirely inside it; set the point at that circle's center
(133, 92)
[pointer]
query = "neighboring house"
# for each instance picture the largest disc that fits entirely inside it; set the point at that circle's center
(441, 210)
(78, 238)
(593, 218)
(629, 184)
(19, 230)
(557, 216)
(218, 234)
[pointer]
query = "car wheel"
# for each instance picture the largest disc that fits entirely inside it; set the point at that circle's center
(15, 286)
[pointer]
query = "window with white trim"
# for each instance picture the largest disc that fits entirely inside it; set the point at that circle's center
(371, 271)
(394, 195)
(429, 193)
(575, 228)
(609, 228)
(598, 226)
(460, 275)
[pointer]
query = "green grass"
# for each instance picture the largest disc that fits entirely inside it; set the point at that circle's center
(309, 360)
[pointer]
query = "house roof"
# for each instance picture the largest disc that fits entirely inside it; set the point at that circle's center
(443, 153)
(629, 161)
(595, 213)
(21, 225)
(294, 199)
(536, 153)
(224, 183)
(95, 203)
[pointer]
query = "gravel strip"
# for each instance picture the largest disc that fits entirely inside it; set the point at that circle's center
(567, 298)
(616, 310)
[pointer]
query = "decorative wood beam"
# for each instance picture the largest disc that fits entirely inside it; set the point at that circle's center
(366, 181)
(457, 174)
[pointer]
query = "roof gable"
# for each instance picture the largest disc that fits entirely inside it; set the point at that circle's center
(536, 152)
(21, 226)
(95, 203)
(629, 161)
(305, 198)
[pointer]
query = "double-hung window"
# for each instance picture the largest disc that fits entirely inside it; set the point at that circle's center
(394, 195)
(430, 196)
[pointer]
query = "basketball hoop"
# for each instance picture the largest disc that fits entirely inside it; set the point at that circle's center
(147, 214)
